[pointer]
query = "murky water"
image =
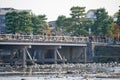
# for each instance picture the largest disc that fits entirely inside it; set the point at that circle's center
(53, 78)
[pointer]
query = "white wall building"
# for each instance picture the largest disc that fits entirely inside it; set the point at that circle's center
(91, 14)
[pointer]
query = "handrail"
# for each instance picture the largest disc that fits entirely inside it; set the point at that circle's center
(35, 38)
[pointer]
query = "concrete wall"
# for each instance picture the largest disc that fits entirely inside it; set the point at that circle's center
(105, 53)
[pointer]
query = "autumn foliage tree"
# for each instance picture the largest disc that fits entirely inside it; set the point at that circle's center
(116, 26)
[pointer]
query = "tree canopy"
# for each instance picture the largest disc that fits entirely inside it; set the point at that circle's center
(76, 24)
(18, 22)
(25, 23)
(39, 24)
(118, 17)
(103, 23)
(12, 22)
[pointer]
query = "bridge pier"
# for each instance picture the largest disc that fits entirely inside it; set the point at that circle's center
(24, 57)
(46, 54)
(55, 56)
(85, 52)
(13, 52)
(71, 53)
(43, 58)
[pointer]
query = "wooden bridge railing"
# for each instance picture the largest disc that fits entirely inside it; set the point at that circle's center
(36, 38)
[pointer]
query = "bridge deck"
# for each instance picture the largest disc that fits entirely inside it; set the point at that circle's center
(12, 39)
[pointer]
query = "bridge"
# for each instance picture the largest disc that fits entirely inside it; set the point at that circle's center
(15, 39)
(43, 48)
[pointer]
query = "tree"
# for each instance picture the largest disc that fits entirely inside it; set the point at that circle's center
(103, 23)
(116, 25)
(36, 24)
(108, 27)
(116, 30)
(60, 24)
(118, 17)
(60, 21)
(25, 23)
(68, 28)
(39, 24)
(44, 24)
(43, 19)
(78, 20)
(76, 24)
(18, 22)
(12, 22)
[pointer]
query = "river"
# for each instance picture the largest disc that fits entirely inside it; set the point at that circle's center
(54, 78)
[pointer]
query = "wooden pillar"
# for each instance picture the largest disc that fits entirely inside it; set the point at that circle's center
(71, 54)
(55, 56)
(85, 54)
(11, 57)
(24, 58)
(43, 57)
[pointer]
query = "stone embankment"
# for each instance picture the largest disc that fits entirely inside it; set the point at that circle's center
(85, 70)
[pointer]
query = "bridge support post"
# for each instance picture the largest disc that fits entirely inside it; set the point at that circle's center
(12, 55)
(43, 58)
(55, 56)
(85, 54)
(90, 50)
(24, 58)
(71, 54)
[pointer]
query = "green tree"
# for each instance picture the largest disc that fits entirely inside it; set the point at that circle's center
(68, 28)
(76, 24)
(12, 22)
(60, 21)
(59, 28)
(103, 23)
(43, 19)
(118, 17)
(18, 21)
(39, 24)
(44, 24)
(108, 27)
(36, 24)
(78, 20)
(25, 23)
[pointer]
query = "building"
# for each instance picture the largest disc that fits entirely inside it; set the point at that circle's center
(3, 11)
(52, 25)
(91, 14)
(54, 29)
(115, 16)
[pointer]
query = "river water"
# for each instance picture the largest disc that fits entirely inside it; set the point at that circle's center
(54, 78)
